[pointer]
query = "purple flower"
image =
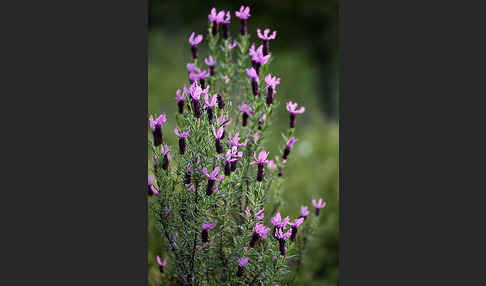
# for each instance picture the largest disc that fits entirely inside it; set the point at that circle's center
(156, 126)
(182, 139)
(216, 17)
(221, 121)
(180, 98)
(182, 134)
(278, 222)
(258, 58)
(231, 159)
(272, 165)
(234, 142)
(226, 21)
(152, 190)
(288, 147)
(190, 67)
(259, 230)
(217, 136)
(209, 61)
(262, 159)
(210, 101)
(252, 73)
(162, 264)
(231, 46)
(304, 212)
(318, 205)
(282, 236)
(279, 234)
(266, 39)
(246, 109)
(260, 215)
(272, 82)
(195, 91)
(187, 178)
(206, 227)
(194, 42)
(226, 79)
(241, 263)
(247, 210)
(212, 178)
(200, 75)
(165, 153)
(292, 108)
(243, 14)
(295, 225)
(265, 35)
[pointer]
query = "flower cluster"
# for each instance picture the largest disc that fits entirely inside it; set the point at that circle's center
(223, 170)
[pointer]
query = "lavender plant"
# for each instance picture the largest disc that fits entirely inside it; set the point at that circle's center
(208, 200)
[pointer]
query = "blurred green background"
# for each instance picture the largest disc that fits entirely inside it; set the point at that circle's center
(306, 58)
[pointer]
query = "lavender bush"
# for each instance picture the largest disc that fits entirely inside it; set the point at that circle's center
(208, 197)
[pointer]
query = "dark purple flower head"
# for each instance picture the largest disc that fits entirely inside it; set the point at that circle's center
(252, 73)
(161, 263)
(206, 226)
(234, 142)
(183, 134)
(261, 230)
(210, 101)
(216, 17)
(262, 158)
(152, 189)
(319, 205)
(304, 211)
(209, 61)
(272, 81)
(194, 41)
(179, 96)
(242, 261)
(292, 108)
(231, 46)
(214, 174)
(243, 13)
(245, 108)
(265, 35)
(157, 122)
(218, 134)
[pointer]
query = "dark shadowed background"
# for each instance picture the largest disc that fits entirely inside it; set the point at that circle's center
(306, 58)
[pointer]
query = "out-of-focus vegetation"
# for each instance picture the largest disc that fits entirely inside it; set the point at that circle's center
(305, 57)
